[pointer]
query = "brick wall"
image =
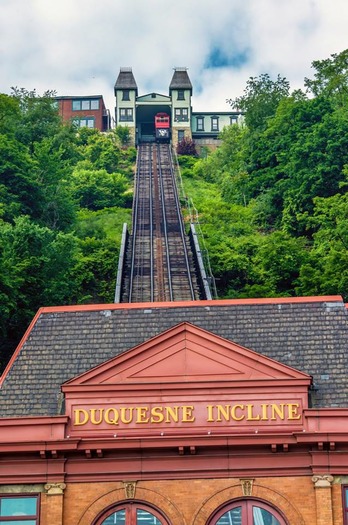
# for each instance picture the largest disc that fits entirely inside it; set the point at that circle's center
(66, 112)
(191, 502)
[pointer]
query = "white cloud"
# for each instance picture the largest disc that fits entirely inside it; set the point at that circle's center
(78, 46)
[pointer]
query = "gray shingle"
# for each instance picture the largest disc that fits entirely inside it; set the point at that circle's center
(180, 80)
(126, 80)
(309, 336)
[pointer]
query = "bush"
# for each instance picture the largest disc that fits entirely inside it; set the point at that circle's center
(187, 147)
(123, 134)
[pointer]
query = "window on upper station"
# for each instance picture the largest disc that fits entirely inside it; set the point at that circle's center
(85, 104)
(181, 135)
(126, 114)
(131, 514)
(19, 510)
(200, 124)
(215, 123)
(125, 94)
(233, 119)
(247, 512)
(181, 94)
(181, 114)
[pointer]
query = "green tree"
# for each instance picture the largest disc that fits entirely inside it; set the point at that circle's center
(9, 114)
(326, 271)
(36, 269)
(123, 134)
(277, 264)
(20, 191)
(39, 116)
(260, 99)
(300, 155)
(58, 210)
(96, 270)
(330, 78)
(101, 150)
(96, 188)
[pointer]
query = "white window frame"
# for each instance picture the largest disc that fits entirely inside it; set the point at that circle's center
(214, 123)
(199, 123)
(181, 114)
(126, 115)
(85, 104)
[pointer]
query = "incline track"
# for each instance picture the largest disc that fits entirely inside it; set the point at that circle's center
(160, 263)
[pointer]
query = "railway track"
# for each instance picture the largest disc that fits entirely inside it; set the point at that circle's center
(160, 264)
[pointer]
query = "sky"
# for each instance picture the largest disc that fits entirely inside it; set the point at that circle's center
(77, 47)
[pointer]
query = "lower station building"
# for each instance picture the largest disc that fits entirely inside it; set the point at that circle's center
(226, 412)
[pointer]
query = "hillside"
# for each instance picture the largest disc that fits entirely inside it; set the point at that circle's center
(272, 199)
(64, 195)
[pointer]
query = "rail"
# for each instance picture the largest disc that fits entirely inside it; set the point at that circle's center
(161, 266)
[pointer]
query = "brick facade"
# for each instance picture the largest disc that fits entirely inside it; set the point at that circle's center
(193, 502)
(101, 121)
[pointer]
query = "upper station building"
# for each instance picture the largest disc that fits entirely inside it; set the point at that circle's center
(138, 112)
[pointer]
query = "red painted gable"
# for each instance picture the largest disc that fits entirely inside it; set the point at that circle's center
(186, 380)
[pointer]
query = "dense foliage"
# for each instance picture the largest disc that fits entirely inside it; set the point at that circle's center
(64, 195)
(273, 202)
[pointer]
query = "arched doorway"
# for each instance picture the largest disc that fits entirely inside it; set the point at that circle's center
(131, 513)
(247, 512)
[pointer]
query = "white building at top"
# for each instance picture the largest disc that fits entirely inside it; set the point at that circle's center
(138, 112)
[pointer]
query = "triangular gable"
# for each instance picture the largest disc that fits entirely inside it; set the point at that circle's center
(186, 353)
(154, 98)
(186, 378)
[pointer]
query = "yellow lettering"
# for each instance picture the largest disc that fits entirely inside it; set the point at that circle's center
(264, 415)
(250, 412)
(94, 411)
(172, 413)
(81, 412)
(157, 415)
(233, 412)
(277, 410)
(109, 419)
(187, 415)
(123, 415)
(130, 415)
(224, 411)
(142, 416)
(293, 411)
(210, 414)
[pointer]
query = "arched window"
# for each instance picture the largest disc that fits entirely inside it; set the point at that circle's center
(133, 513)
(247, 512)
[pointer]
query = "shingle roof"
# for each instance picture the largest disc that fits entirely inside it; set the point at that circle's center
(180, 80)
(309, 335)
(126, 80)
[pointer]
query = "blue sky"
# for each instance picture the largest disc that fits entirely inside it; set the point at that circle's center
(77, 47)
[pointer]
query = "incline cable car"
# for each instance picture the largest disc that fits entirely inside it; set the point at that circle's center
(162, 127)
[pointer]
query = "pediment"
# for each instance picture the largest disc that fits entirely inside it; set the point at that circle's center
(154, 97)
(189, 354)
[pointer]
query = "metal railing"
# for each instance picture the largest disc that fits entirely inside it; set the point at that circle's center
(201, 251)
